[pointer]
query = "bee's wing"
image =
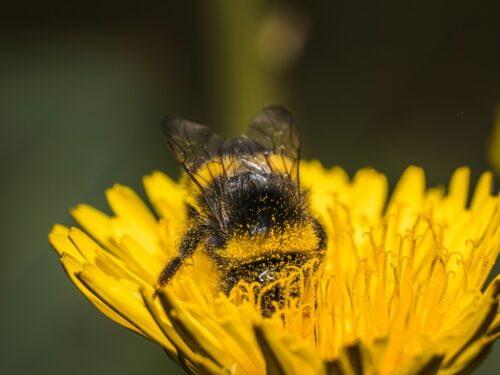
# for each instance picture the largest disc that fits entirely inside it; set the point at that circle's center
(275, 132)
(193, 145)
(272, 132)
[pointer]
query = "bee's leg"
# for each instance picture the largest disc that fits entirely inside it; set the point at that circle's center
(187, 247)
(169, 271)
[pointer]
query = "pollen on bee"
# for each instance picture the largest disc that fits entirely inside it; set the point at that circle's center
(293, 238)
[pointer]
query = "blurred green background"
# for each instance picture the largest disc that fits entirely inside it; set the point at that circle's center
(83, 88)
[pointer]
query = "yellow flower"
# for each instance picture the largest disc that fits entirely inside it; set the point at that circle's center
(400, 290)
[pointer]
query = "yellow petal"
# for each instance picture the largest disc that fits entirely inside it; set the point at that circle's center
(96, 223)
(483, 190)
(133, 218)
(427, 363)
(408, 197)
(72, 268)
(368, 202)
(126, 300)
(59, 239)
(459, 187)
(286, 355)
(166, 196)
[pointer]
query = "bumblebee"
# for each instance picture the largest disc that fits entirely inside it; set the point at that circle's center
(247, 210)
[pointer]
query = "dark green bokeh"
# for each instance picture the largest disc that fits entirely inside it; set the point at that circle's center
(81, 97)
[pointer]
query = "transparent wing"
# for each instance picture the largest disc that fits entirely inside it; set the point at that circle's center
(276, 130)
(196, 147)
(271, 145)
(276, 133)
(191, 144)
(272, 138)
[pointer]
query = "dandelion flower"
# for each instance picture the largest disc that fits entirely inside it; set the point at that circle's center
(401, 290)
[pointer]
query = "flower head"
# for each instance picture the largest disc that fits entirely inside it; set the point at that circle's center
(400, 289)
